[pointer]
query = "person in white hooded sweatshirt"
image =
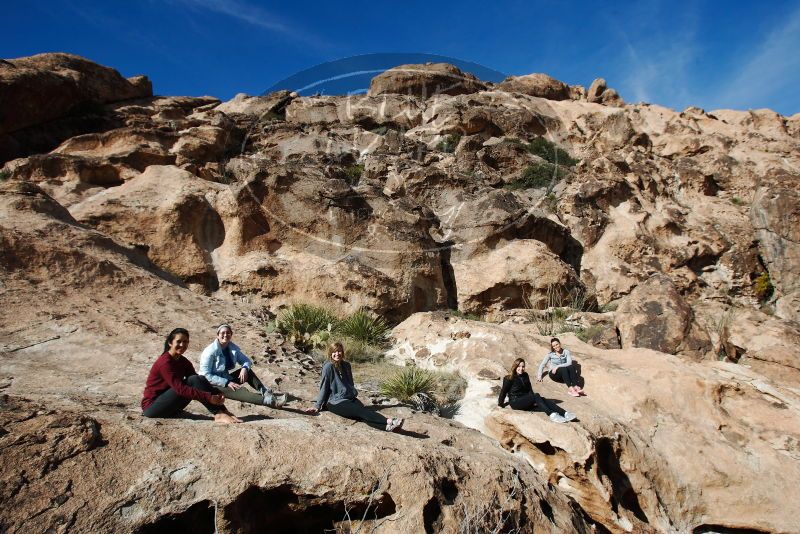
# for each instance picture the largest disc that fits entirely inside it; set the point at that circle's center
(228, 368)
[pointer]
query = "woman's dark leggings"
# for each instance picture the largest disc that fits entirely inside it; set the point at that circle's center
(531, 400)
(567, 375)
(170, 403)
(353, 409)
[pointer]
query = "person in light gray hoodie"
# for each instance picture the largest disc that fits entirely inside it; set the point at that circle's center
(559, 362)
(218, 363)
(337, 391)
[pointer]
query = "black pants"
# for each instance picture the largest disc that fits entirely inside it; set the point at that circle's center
(353, 409)
(565, 374)
(531, 400)
(170, 403)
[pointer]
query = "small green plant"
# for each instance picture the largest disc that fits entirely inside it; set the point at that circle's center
(449, 143)
(364, 327)
(551, 202)
(586, 334)
(467, 316)
(358, 351)
(270, 116)
(537, 176)
(736, 201)
(558, 306)
(550, 152)
(381, 130)
(353, 173)
(764, 287)
(407, 382)
(4, 174)
(306, 325)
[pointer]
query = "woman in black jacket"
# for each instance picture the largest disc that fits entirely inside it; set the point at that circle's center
(517, 386)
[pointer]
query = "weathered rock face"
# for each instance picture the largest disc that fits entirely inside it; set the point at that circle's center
(537, 84)
(83, 319)
(63, 85)
(398, 203)
(653, 431)
(425, 81)
(776, 217)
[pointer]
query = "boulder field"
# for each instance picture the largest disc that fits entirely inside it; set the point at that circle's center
(667, 240)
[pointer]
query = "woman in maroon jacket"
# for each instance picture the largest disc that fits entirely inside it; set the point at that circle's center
(173, 383)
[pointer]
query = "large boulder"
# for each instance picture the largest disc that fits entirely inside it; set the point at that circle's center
(425, 80)
(43, 87)
(655, 316)
(536, 84)
(659, 441)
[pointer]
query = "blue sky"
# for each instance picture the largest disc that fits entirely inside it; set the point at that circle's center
(711, 54)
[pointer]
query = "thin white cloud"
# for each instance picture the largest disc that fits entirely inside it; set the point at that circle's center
(772, 67)
(256, 16)
(655, 65)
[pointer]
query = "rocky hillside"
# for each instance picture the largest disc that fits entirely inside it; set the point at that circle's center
(670, 239)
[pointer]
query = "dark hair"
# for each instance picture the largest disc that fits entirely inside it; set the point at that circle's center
(554, 339)
(513, 370)
(172, 335)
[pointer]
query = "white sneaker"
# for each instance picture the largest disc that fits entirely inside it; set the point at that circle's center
(395, 423)
(569, 416)
(554, 417)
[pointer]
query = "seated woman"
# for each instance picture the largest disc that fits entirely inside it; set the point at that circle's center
(337, 391)
(559, 360)
(218, 364)
(517, 386)
(172, 384)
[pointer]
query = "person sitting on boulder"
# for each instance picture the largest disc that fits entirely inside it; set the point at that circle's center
(218, 363)
(560, 364)
(172, 384)
(338, 392)
(517, 386)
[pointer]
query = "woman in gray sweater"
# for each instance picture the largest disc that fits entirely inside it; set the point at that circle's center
(338, 392)
(559, 362)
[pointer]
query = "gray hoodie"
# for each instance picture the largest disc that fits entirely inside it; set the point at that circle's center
(335, 388)
(554, 360)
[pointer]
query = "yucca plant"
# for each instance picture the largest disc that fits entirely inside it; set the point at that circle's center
(364, 327)
(306, 325)
(407, 382)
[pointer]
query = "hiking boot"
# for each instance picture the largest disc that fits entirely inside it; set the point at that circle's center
(569, 416)
(280, 400)
(554, 417)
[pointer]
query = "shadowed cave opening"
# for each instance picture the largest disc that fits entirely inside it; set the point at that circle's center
(279, 509)
(623, 493)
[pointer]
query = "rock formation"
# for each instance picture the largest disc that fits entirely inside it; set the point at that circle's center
(666, 239)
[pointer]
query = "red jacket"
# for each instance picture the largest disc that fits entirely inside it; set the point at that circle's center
(168, 372)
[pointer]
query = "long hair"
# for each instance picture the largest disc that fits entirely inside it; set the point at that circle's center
(336, 345)
(513, 370)
(172, 335)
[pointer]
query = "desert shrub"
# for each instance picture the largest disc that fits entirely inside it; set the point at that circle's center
(306, 325)
(364, 327)
(551, 202)
(353, 173)
(552, 320)
(537, 176)
(550, 152)
(4, 174)
(359, 351)
(449, 143)
(407, 382)
(467, 316)
(764, 287)
(736, 201)
(585, 334)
